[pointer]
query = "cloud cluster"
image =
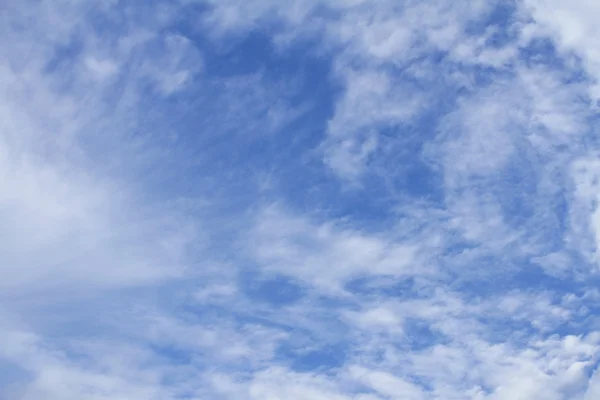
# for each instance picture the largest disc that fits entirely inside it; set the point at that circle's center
(309, 200)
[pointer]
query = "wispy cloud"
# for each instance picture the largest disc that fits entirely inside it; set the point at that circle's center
(307, 200)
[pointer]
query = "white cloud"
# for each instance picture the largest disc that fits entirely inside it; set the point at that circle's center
(101, 69)
(372, 100)
(72, 228)
(76, 139)
(327, 255)
(278, 383)
(593, 390)
(174, 64)
(388, 384)
(69, 222)
(584, 215)
(573, 29)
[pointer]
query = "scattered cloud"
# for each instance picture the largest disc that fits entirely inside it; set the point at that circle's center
(305, 200)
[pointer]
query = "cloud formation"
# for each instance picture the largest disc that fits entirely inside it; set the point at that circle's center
(299, 200)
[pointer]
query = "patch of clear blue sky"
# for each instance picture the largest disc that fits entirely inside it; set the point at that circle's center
(275, 290)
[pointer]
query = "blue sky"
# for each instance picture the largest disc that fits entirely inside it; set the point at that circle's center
(312, 199)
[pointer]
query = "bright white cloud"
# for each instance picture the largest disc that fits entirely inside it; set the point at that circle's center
(326, 255)
(574, 30)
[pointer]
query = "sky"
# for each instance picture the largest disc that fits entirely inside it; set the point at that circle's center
(303, 199)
